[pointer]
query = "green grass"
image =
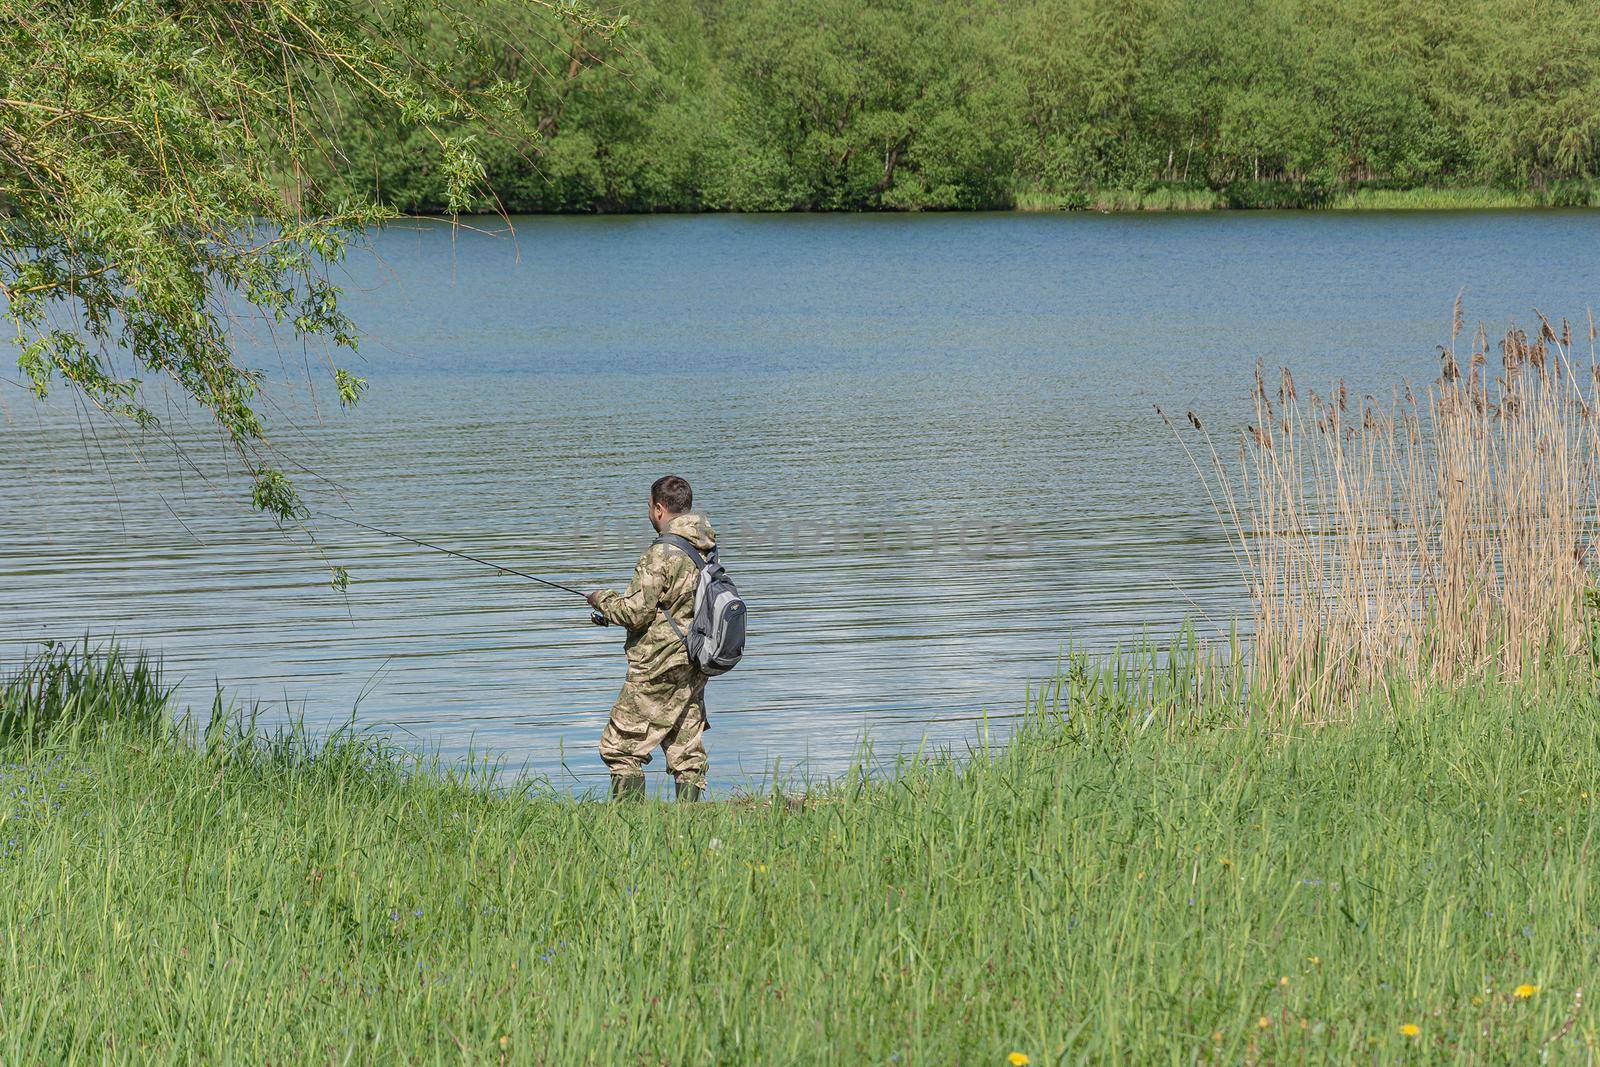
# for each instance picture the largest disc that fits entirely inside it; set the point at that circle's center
(1565, 194)
(1139, 877)
(1159, 198)
(1189, 198)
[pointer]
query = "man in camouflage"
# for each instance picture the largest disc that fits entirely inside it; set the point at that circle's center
(663, 696)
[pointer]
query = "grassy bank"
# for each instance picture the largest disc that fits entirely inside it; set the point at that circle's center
(1289, 196)
(1140, 876)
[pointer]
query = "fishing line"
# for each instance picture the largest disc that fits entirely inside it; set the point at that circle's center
(462, 555)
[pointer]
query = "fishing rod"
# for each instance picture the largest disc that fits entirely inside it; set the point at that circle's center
(463, 555)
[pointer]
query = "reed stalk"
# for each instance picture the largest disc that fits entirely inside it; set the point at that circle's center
(1441, 538)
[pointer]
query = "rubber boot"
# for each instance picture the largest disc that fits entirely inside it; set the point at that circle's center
(625, 787)
(688, 791)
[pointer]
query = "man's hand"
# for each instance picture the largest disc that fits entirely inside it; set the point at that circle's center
(594, 600)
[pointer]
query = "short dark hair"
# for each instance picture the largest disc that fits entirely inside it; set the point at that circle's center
(672, 493)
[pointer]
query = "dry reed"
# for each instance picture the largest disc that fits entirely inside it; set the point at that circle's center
(1439, 539)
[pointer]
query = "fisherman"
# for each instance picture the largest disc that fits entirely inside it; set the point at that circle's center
(663, 697)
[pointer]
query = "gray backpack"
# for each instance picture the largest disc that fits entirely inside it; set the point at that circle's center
(715, 638)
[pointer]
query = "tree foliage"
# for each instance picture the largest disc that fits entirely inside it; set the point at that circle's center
(168, 164)
(826, 104)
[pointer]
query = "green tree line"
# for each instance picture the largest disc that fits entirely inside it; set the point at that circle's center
(961, 104)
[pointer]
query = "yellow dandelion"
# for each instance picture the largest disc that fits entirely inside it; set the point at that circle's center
(1018, 1059)
(505, 1041)
(1216, 1035)
(1284, 980)
(1411, 1029)
(1263, 1022)
(1313, 960)
(1524, 991)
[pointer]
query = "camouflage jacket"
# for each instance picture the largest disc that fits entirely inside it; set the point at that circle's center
(663, 584)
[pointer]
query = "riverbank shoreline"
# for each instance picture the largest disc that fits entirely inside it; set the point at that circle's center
(1141, 875)
(1155, 200)
(1293, 198)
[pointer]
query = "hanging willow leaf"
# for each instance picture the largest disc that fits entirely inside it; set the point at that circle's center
(154, 177)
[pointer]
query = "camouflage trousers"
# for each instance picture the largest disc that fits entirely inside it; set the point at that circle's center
(669, 712)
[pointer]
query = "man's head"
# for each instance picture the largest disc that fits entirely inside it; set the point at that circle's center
(669, 498)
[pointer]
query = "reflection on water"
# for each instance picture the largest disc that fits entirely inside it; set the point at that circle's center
(928, 443)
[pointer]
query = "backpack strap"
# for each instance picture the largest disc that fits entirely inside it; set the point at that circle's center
(686, 546)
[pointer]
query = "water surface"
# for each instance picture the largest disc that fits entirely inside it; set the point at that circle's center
(928, 441)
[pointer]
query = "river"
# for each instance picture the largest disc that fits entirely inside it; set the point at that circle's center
(928, 441)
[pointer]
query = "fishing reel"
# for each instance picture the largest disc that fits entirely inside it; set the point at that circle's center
(599, 619)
